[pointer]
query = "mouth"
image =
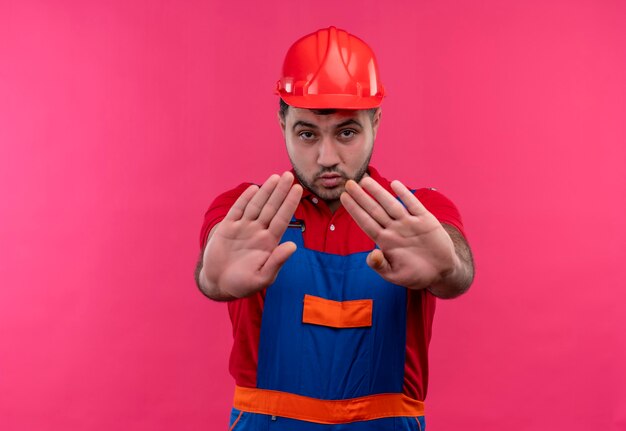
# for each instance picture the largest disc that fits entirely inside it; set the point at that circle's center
(330, 180)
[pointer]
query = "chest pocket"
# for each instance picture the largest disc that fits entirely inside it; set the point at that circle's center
(337, 314)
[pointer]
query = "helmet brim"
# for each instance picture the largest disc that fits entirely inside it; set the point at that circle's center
(332, 101)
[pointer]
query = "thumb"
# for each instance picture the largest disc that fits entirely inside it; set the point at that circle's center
(277, 259)
(376, 260)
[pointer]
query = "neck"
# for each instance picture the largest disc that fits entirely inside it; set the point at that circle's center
(333, 205)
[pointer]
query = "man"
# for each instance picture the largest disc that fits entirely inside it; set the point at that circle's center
(331, 277)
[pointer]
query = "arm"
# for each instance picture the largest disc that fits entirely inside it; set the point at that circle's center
(209, 290)
(416, 250)
(243, 255)
(458, 280)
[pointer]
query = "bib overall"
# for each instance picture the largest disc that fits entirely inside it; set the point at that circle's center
(331, 350)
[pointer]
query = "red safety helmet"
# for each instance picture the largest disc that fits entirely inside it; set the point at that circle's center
(330, 69)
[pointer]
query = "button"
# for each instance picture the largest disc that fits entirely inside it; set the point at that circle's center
(315, 200)
(332, 227)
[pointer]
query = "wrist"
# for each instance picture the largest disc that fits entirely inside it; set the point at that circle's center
(212, 289)
(450, 283)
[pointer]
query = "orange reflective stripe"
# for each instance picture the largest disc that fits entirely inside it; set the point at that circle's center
(294, 406)
(235, 423)
(336, 314)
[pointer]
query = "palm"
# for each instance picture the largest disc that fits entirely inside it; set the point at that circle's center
(415, 250)
(243, 255)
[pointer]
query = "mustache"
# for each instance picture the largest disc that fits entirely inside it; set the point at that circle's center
(331, 170)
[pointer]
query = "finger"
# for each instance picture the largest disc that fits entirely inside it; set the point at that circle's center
(412, 204)
(276, 199)
(279, 256)
(390, 204)
(367, 203)
(236, 211)
(365, 221)
(376, 260)
(283, 216)
(254, 207)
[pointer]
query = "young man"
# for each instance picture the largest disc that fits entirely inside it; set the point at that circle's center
(331, 276)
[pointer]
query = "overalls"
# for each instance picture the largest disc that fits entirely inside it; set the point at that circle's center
(331, 350)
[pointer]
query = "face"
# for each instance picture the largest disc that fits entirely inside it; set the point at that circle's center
(328, 150)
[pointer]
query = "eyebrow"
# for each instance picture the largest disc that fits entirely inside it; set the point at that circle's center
(351, 121)
(304, 124)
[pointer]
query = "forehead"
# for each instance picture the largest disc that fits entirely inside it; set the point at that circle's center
(314, 117)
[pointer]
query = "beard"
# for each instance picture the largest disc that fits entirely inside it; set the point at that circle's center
(330, 193)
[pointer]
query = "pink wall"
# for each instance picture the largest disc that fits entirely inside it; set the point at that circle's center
(120, 121)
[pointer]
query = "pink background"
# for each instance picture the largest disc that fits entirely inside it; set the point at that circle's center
(120, 121)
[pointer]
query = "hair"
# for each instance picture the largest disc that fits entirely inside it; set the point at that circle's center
(283, 107)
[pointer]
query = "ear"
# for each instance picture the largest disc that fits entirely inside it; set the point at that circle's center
(281, 122)
(376, 120)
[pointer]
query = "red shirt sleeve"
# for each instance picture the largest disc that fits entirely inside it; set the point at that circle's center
(422, 304)
(245, 314)
(218, 210)
(441, 207)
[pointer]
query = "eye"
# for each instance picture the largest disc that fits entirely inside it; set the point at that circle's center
(306, 135)
(347, 134)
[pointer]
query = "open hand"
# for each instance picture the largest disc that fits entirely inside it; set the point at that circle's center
(243, 254)
(415, 249)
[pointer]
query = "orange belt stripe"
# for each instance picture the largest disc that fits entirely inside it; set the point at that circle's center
(294, 406)
(337, 314)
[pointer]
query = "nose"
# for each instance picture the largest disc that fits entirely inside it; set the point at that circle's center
(328, 155)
